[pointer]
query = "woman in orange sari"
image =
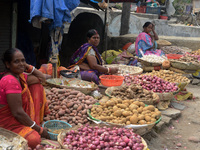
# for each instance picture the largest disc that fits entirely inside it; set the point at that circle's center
(22, 98)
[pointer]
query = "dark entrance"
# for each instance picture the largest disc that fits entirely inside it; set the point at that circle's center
(77, 35)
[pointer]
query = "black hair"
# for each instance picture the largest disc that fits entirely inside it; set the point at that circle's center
(146, 24)
(91, 32)
(8, 55)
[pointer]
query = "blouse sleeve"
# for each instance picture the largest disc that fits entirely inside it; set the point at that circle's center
(91, 52)
(12, 85)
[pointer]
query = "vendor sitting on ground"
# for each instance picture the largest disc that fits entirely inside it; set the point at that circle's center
(22, 98)
(146, 42)
(89, 60)
(152, 3)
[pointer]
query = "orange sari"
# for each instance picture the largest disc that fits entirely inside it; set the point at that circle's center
(38, 98)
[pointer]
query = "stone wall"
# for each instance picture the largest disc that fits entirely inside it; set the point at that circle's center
(117, 42)
(163, 27)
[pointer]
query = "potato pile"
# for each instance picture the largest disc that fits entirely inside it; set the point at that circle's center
(125, 112)
(135, 92)
(68, 105)
(169, 76)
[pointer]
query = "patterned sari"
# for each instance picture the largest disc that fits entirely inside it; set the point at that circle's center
(8, 121)
(80, 57)
(144, 42)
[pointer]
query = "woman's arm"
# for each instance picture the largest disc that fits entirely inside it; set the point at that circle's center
(15, 105)
(93, 65)
(35, 77)
(154, 33)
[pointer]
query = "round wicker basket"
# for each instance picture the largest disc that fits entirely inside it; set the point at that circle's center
(125, 69)
(61, 136)
(72, 83)
(17, 142)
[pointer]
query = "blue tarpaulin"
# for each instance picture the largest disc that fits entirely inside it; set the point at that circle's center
(56, 10)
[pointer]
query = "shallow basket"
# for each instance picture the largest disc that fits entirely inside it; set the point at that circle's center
(55, 125)
(139, 129)
(62, 135)
(21, 144)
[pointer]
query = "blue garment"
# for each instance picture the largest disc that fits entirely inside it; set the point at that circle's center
(57, 10)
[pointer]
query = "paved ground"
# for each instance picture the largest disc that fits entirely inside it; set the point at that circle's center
(179, 129)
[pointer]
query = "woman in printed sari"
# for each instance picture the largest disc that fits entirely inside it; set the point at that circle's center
(89, 60)
(22, 98)
(146, 42)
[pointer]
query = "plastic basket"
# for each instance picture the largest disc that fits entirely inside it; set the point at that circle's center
(55, 125)
(141, 9)
(153, 10)
(111, 80)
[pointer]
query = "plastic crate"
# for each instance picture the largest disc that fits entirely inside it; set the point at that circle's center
(153, 10)
(55, 125)
(141, 9)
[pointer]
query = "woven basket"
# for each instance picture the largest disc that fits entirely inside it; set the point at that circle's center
(168, 95)
(74, 83)
(55, 125)
(148, 64)
(182, 85)
(125, 69)
(21, 144)
(139, 129)
(184, 65)
(61, 136)
(155, 99)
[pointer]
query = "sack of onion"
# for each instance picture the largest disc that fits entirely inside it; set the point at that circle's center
(101, 137)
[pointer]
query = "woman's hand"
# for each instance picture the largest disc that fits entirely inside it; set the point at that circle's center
(113, 70)
(153, 27)
(45, 134)
(26, 66)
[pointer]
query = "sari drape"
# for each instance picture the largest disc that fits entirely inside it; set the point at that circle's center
(8, 121)
(144, 42)
(80, 56)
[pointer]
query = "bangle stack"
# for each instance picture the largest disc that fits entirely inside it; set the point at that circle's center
(32, 124)
(108, 70)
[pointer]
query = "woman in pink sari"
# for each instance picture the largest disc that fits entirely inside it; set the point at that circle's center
(22, 98)
(146, 42)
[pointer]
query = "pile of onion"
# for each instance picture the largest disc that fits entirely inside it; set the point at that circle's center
(102, 138)
(45, 147)
(152, 83)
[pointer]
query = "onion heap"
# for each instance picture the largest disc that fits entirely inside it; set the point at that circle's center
(102, 138)
(44, 147)
(152, 83)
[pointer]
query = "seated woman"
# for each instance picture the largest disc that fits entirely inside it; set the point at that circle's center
(152, 3)
(22, 98)
(89, 60)
(145, 42)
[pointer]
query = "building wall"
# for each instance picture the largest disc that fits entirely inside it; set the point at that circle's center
(163, 27)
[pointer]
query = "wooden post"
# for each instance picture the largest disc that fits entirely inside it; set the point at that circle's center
(106, 30)
(125, 18)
